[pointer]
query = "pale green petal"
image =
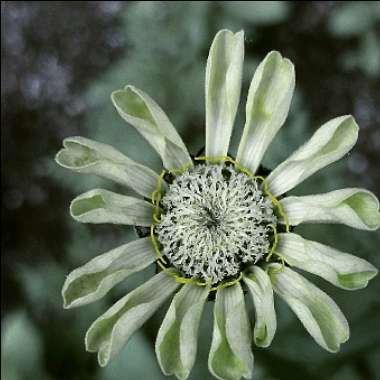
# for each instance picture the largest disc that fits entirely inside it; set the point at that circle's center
(139, 110)
(103, 206)
(319, 314)
(353, 207)
(223, 85)
(110, 332)
(87, 156)
(260, 287)
(267, 107)
(94, 279)
(230, 356)
(176, 344)
(341, 269)
(328, 144)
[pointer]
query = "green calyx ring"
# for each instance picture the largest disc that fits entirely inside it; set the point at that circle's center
(156, 199)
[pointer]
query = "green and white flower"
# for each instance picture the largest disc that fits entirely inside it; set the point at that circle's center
(218, 228)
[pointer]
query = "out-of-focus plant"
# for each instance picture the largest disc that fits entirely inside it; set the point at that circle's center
(21, 349)
(359, 20)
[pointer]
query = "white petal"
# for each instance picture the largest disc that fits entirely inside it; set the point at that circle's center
(341, 269)
(230, 356)
(328, 144)
(139, 110)
(103, 206)
(93, 280)
(319, 314)
(356, 208)
(87, 156)
(267, 107)
(110, 332)
(176, 344)
(223, 85)
(260, 287)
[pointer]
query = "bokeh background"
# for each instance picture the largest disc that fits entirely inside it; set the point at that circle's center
(60, 62)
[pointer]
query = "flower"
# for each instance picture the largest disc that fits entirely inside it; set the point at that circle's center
(218, 226)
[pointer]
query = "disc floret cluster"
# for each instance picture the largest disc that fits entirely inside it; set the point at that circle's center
(214, 221)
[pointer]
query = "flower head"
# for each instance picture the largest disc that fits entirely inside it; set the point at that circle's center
(214, 225)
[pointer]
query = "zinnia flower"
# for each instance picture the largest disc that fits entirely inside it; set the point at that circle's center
(218, 228)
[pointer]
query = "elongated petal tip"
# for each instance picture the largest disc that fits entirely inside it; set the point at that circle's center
(354, 207)
(230, 355)
(110, 332)
(66, 303)
(114, 96)
(130, 105)
(103, 206)
(260, 288)
(328, 144)
(143, 113)
(229, 33)
(58, 158)
(103, 359)
(61, 157)
(85, 204)
(319, 314)
(77, 153)
(93, 280)
(176, 343)
(86, 156)
(357, 280)
(223, 84)
(117, 93)
(267, 107)
(340, 269)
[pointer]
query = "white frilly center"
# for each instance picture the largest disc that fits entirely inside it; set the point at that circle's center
(214, 220)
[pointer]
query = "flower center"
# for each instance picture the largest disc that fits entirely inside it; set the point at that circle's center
(214, 221)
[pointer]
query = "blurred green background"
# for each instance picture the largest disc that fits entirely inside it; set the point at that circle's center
(61, 60)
